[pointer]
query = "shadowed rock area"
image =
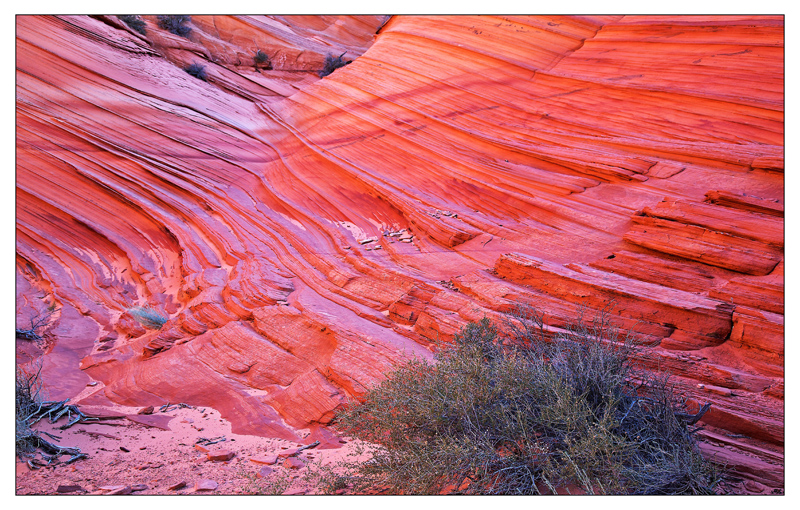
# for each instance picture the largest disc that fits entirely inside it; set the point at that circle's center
(302, 235)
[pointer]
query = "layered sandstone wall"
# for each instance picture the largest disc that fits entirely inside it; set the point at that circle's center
(303, 235)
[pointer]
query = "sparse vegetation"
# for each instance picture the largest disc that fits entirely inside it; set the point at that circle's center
(38, 326)
(335, 478)
(175, 24)
(28, 389)
(261, 58)
(197, 70)
(148, 317)
(134, 22)
(30, 408)
(525, 412)
(274, 484)
(331, 64)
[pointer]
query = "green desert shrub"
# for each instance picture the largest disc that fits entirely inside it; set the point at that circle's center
(135, 22)
(331, 64)
(148, 317)
(175, 24)
(524, 412)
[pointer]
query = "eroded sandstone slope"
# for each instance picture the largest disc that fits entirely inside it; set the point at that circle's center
(303, 235)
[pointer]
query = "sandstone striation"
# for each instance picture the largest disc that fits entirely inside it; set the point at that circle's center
(299, 236)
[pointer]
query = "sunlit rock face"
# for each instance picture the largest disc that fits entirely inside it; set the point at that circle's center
(302, 235)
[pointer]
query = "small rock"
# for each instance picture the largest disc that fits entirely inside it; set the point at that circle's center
(139, 487)
(201, 448)
(124, 449)
(93, 383)
(293, 463)
(221, 455)
(110, 487)
(206, 485)
(295, 492)
(264, 471)
(121, 491)
(149, 466)
(65, 489)
(177, 486)
(725, 392)
(146, 410)
(268, 460)
(287, 453)
(754, 487)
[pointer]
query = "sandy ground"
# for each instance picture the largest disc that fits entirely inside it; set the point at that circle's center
(123, 453)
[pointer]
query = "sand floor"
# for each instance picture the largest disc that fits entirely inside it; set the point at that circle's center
(123, 453)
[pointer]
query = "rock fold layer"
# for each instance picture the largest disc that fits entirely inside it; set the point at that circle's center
(300, 236)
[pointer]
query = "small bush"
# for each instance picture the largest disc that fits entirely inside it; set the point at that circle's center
(135, 22)
(175, 24)
(148, 317)
(28, 389)
(30, 408)
(197, 70)
(39, 324)
(518, 413)
(261, 57)
(331, 64)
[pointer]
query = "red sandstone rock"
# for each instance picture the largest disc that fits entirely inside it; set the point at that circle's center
(293, 463)
(65, 489)
(268, 460)
(264, 472)
(205, 485)
(118, 491)
(285, 454)
(156, 420)
(177, 486)
(221, 455)
(552, 160)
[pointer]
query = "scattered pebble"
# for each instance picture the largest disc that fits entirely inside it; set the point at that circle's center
(264, 471)
(268, 460)
(293, 463)
(177, 486)
(206, 485)
(66, 489)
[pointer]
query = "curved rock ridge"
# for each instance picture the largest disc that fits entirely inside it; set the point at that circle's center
(302, 235)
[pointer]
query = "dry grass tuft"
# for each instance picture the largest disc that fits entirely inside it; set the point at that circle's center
(148, 317)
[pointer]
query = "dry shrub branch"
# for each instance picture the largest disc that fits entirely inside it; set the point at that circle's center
(30, 408)
(524, 412)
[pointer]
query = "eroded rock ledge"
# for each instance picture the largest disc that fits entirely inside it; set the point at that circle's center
(303, 235)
